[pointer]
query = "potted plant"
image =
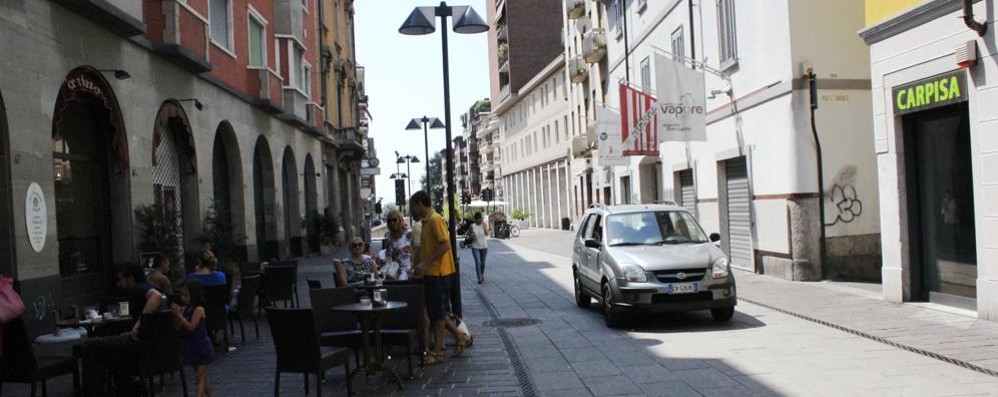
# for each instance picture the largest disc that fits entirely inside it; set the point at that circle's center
(159, 232)
(220, 236)
(520, 215)
(329, 230)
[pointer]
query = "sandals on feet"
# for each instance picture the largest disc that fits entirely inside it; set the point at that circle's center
(432, 358)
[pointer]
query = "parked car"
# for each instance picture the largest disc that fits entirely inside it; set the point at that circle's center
(650, 258)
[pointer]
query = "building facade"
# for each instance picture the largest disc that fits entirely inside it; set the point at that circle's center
(475, 122)
(931, 63)
(522, 41)
(193, 106)
(535, 152)
(754, 179)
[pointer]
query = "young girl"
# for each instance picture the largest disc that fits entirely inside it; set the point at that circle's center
(198, 351)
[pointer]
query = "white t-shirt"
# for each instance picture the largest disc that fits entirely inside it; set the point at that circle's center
(481, 240)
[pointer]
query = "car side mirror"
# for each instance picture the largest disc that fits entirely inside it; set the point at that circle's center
(591, 243)
(714, 237)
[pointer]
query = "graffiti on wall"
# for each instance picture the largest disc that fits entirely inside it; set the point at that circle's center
(843, 195)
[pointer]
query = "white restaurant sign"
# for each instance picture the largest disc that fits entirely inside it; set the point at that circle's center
(609, 143)
(681, 103)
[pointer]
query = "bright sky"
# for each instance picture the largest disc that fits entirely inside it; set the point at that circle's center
(404, 80)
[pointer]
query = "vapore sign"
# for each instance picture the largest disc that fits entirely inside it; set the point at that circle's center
(930, 93)
(682, 109)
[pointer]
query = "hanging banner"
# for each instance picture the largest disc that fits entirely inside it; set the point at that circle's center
(682, 103)
(638, 122)
(609, 143)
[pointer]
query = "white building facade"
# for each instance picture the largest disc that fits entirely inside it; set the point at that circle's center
(535, 148)
(933, 111)
(755, 179)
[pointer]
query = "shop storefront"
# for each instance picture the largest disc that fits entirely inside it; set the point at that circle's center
(934, 133)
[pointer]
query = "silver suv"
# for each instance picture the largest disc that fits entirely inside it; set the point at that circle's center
(651, 258)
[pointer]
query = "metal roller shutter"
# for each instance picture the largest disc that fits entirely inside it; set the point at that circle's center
(688, 198)
(739, 218)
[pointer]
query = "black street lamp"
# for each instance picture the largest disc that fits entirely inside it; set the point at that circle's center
(407, 159)
(428, 123)
(465, 21)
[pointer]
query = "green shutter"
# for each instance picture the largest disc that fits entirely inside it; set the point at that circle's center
(256, 43)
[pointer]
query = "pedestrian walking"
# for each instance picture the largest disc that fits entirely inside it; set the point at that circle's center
(479, 245)
(198, 350)
(436, 265)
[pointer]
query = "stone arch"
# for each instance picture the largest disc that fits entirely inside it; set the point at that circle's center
(227, 184)
(267, 247)
(7, 262)
(174, 174)
(311, 206)
(292, 209)
(92, 193)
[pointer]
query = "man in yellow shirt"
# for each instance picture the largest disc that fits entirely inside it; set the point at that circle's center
(436, 264)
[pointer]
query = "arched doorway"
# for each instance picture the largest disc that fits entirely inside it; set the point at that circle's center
(6, 210)
(90, 165)
(174, 176)
(292, 211)
(311, 206)
(227, 186)
(263, 201)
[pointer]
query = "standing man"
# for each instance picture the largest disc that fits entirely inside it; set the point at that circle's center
(436, 264)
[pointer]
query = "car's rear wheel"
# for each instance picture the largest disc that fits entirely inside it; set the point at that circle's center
(611, 316)
(581, 298)
(723, 314)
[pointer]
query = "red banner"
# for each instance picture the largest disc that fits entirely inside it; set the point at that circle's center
(638, 122)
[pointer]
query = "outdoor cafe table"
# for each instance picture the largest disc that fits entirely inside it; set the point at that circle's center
(369, 316)
(90, 325)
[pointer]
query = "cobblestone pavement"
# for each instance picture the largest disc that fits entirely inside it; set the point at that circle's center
(568, 351)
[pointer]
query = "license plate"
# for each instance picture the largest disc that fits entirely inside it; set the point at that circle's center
(685, 288)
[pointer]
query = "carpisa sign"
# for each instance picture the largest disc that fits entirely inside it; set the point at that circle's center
(933, 92)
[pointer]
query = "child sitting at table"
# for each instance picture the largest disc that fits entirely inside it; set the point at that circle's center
(198, 350)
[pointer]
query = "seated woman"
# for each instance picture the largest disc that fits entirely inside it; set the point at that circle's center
(355, 269)
(399, 246)
(206, 270)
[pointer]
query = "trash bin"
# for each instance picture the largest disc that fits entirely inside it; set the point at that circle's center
(566, 224)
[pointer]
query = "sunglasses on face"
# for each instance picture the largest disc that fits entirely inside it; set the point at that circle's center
(357, 245)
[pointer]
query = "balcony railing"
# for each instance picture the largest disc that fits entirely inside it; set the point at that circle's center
(183, 37)
(348, 139)
(267, 85)
(594, 45)
(575, 8)
(578, 71)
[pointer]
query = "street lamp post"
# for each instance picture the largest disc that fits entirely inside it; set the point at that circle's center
(428, 123)
(407, 159)
(465, 21)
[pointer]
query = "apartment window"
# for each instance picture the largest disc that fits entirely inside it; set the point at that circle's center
(277, 50)
(257, 40)
(566, 127)
(299, 65)
(307, 79)
(646, 75)
(557, 134)
(726, 33)
(616, 20)
(220, 19)
(678, 48)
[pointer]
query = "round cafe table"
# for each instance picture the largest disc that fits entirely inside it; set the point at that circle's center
(66, 335)
(369, 316)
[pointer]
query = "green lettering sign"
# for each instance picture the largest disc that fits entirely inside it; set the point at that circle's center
(929, 93)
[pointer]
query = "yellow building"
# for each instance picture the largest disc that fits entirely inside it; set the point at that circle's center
(878, 11)
(345, 112)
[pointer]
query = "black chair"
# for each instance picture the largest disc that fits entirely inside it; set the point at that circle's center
(21, 365)
(250, 268)
(245, 306)
(401, 327)
(160, 350)
(336, 329)
(297, 344)
(215, 299)
(277, 284)
(314, 284)
(294, 280)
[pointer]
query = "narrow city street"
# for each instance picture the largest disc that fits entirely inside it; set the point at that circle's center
(760, 352)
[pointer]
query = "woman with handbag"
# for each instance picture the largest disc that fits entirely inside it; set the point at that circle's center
(479, 234)
(398, 255)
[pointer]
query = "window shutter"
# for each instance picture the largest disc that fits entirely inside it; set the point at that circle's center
(726, 32)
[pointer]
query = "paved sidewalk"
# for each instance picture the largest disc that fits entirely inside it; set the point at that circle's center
(930, 330)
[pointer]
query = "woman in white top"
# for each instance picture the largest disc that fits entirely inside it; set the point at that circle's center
(399, 245)
(479, 245)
